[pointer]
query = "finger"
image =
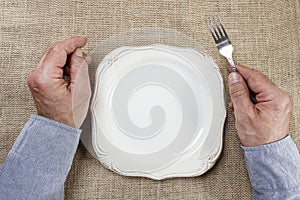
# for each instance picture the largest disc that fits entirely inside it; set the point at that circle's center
(80, 86)
(229, 69)
(87, 58)
(77, 61)
(256, 80)
(56, 55)
(239, 94)
(73, 43)
(81, 93)
(67, 70)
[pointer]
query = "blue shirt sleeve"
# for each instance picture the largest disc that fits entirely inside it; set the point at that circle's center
(39, 161)
(274, 170)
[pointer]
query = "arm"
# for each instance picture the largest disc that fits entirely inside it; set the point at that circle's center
(38, 164)
(274, 170)
(39, 161)
(272, 158)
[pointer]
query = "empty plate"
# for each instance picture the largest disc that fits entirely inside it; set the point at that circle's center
(158, 112)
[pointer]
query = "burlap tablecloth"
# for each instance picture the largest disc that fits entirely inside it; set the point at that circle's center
(265, 35)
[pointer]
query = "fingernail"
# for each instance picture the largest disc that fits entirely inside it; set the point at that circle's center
(78, 52)
(234, 77)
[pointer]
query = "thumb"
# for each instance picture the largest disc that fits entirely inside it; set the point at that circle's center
(80, 86)
(239, 94)
(76, 61)
(81, 95)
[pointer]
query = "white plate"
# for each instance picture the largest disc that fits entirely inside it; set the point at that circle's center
(158, 112)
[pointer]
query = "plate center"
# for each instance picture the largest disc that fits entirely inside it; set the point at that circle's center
(147, 106)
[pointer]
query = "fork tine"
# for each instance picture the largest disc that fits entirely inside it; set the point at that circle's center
(217, 27)
(222, 26)
(213, 35)
(209, 26)
(220, 31)
(213, 25)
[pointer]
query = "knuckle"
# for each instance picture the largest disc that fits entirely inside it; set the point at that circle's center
(56, 48)
(254, 74)
(35, 81)
(257, 78)
(30, 79)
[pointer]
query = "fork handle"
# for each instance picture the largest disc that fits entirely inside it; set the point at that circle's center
(232, 65)
(234, 69)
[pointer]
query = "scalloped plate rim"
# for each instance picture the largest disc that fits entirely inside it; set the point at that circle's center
(157, 176)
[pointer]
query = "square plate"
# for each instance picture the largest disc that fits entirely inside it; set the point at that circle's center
(158, 112)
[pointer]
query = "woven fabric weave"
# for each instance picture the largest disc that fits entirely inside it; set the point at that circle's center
(265, 35)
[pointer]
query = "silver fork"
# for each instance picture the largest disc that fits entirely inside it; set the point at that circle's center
(222, 40)
(224, 45)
